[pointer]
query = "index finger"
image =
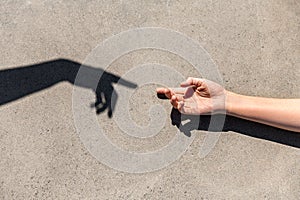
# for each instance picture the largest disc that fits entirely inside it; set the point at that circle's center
(164, 92)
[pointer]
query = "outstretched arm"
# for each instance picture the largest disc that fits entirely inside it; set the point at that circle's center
(206, 97)
(281, 113)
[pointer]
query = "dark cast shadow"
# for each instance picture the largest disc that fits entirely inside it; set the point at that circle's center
(242, 126)
(19, 82)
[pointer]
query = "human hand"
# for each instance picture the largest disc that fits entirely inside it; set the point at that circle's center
(201, 96)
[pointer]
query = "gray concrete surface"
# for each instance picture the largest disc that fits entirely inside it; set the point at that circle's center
(255, 45)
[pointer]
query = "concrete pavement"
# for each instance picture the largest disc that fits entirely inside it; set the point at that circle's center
(255, 46)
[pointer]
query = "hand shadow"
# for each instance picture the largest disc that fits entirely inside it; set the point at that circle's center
(242, 126)
(21, 81)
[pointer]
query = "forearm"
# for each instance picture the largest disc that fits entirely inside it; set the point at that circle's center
(281, 113)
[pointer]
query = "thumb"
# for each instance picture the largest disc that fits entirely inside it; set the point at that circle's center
(191, 82)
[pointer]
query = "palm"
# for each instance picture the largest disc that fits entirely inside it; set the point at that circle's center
(197, 102)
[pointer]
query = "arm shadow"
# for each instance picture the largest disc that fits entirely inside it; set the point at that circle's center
(242, 126)
(19, 82)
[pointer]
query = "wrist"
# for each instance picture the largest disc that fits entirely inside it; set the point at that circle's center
(231, 101)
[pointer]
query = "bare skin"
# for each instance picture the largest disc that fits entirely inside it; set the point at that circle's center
(206, 97)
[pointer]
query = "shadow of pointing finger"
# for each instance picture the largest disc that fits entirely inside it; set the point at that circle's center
(19, 82)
